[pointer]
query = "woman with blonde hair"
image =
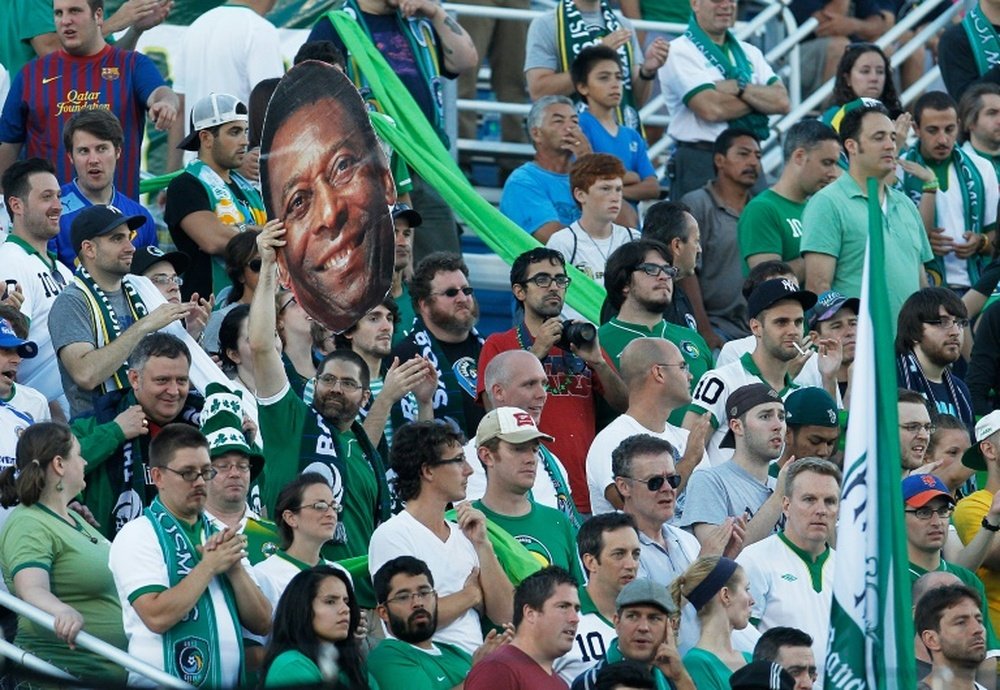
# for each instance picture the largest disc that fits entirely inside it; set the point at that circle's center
(719, 590)
(51, 558)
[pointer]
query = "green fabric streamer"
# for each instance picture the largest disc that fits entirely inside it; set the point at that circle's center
(414, 139)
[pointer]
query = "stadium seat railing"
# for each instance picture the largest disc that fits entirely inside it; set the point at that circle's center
(84, 640)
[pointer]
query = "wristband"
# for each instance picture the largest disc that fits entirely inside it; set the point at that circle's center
(986, 246)
(931, 186)
(988, 527)
(646, 77)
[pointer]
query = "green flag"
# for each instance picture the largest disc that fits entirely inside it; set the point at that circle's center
(871, 624)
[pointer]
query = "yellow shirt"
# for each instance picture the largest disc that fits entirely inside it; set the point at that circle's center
(968, 518)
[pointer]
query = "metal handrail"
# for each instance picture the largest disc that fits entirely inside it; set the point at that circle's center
(94, 644)
(32, 662)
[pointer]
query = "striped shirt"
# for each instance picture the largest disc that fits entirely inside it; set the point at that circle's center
(50, 89)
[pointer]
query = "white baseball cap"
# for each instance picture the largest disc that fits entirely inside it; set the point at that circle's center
(510, 424)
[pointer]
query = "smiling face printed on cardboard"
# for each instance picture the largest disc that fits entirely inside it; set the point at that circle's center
(324, 174)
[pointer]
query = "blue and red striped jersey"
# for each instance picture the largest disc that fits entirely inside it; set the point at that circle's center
(50, 89)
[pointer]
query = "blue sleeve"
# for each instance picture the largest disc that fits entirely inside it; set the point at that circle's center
(527, 204)
(14, 118)
(146, 79)
(62, 246)
(323, 31)
(643, 165)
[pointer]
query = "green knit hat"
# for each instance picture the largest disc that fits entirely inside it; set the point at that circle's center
(222, 425)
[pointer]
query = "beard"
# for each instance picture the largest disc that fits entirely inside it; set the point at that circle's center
(413, 633)
(335, 408)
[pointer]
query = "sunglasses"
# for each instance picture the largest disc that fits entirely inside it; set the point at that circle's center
(453, 292)
(656, 483)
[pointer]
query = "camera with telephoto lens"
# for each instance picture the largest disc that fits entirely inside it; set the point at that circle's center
(576, 333)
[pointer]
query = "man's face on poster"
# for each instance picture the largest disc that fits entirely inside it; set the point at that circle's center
(332, 188)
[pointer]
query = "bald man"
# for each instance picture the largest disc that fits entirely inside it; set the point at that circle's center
(658, 379)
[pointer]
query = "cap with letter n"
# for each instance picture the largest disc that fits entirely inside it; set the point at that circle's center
(99, 220)
(211, 111)
(509, 424)
(770, 292)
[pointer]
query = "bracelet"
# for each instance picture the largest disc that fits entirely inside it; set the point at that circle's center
(930, 187)
(986, 247)
(988, 527)
(644, 76)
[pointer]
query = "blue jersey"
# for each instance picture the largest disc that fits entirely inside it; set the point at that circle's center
(628, 145)
(73, 201)
(50, 89)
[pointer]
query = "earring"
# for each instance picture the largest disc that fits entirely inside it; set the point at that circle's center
(59, 485)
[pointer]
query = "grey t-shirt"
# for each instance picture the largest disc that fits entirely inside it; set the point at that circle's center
(70, 321)
(721, 272)
(542, 48)
(726, 490)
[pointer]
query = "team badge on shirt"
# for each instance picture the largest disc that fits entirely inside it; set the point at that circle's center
(110, 73)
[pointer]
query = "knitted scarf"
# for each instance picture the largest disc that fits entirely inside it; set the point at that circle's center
(983, 39)
(912, 377)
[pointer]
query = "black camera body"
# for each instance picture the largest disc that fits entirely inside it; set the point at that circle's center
(576, 333)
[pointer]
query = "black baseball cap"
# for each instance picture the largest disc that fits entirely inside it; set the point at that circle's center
(741, 401)
(772, 291)
(403, 211)
(761, 675)
(97, 220)
(145, 257)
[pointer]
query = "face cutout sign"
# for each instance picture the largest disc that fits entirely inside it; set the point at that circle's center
(324, 174)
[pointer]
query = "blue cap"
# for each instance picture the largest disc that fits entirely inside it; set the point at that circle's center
(10, 341)
(921, 489)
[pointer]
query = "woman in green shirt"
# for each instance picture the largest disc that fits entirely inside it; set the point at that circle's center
(44, 549)
(314, 627)
(719, 590)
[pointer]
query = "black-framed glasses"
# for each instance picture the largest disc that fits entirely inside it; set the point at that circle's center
(917, 427)
(404, 598)
(451, 293)
(656, 483)
(292, 300)
(191, 475)
(255, 265)
(683, 366)
(926, 513)
(946, 322)
(448, 461)
(544, 280)
(653, 270)
(346, 385)
(161, 279)
(322, 506)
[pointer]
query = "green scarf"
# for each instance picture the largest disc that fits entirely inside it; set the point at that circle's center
(573, 34)
(229, 208)
(414, 139)
(105, 321)
(191, 647)
(563, 496)
(741, 71)
(973, 195)
(614, 655)
(983, 39)
(422, 39)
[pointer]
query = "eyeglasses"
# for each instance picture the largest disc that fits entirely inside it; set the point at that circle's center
(654, 270)
(323, 506)
(404, 598)
(161, 279)
(917, 427)
(346, 385)
(656, 483)
(293, 300)
(448, 461)
(255, 265)
(192, 475)
(451, 293)
(544, 280)
(946, 322)
(925, 513)
(683, 366)
(225, 467)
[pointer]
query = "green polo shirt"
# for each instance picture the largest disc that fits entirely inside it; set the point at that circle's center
(835, 222)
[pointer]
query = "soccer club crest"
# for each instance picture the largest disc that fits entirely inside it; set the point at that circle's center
(191, 659)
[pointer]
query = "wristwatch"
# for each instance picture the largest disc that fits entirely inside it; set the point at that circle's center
(987, 526)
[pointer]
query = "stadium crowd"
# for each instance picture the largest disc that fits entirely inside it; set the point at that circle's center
(196, 471)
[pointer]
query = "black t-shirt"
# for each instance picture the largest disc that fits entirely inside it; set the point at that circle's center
(958, 64)
(186, 195)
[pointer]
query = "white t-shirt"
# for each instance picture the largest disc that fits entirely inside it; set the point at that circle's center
(276, 571)
(229, 49)
(784, 593)
(591, 253)
(732, 350)
(593, 638)
(599, 474)
(689, 71)
(136, 561)
(450, 563)
(542, 493)
(40, 283)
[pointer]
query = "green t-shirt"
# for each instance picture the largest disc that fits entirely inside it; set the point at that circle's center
(676, 11)
(969, 579)
(403, 327)
(545, 532)
(20, 21)
(295, 668)
(770, 224)
(616, 334)
(396, 664)
(707, 670)
(35, 537)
